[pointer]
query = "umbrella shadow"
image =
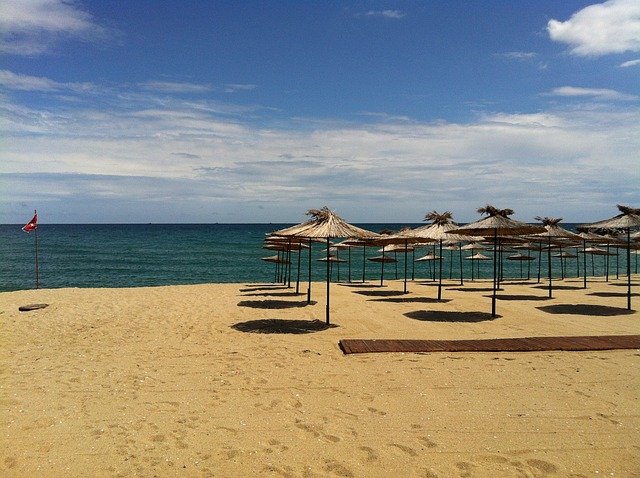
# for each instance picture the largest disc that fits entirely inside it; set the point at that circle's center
(623, 285)
(256, 287)
(520, 297)
(449, 316)
(424, 300)
(379, 293)
(613, 294)
(557, 287)
(281, 326)
(274, 304)
(474, 289)
(272, 294)
(360, 285)
(585, 309)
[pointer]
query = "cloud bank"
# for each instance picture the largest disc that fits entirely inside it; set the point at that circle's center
(600, 29)
(31, 27)
(164, 156)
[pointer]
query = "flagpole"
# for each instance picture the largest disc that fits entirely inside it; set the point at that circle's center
(37, 274)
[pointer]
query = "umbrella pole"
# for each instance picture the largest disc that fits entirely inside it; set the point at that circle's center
(440, 273)
(617, 262)
(298, 278)
(328, 281)
(289, 265)
(405, 266)
(413, 263)
(539, 260)
(382, 268)
(495, 267)
(338, 262)
(528, 265)
(472, 266)
(364, 262)
(309, 287)
(450, 264)
(461, 266)
(549, 261)
(607, 264)
(584, 262)
(629, 268)
(395, 256)
(349, 252)
(577, 264)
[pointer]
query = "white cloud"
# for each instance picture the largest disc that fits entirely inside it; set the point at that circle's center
(235, 87)
(629, 63)
(30, 27)
(600, 29)
(15, 81)
(396, 14)
(517, 55)
(176, 87)
(595, 93)
(201, 155)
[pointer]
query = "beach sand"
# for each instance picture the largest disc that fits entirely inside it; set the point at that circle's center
(179, 381)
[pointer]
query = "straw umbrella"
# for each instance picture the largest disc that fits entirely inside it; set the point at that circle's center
(439, 230)
(627, 219)
(553, 231)
(326, 224)
(478, 256)
(497, 223)
(403, 241)
(382, 259)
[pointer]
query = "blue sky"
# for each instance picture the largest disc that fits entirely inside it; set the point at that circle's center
(164, 111)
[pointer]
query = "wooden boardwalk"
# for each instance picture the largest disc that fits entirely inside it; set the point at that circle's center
(524, 344)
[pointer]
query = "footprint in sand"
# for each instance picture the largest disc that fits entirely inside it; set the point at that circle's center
(406, 449)
(542, 466)
(337, 469)
(371, 453)
(427, 442)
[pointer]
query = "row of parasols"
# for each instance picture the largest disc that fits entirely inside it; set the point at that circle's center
(497, 228)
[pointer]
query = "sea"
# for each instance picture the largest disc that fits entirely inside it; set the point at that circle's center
(138, 255)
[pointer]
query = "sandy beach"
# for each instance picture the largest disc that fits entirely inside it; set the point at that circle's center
(243, 380)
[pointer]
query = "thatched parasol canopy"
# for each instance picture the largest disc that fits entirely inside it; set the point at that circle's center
(497, 223)
(628, 218)
(478, 257)
(325, 224)
(554, 232)
(275, 259)
(439, 230)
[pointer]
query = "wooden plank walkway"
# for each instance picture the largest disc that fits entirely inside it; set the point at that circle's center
(524, 344)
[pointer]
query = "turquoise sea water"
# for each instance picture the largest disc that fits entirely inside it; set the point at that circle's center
(131, 255)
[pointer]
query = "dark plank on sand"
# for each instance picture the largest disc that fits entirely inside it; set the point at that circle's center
(523, 344)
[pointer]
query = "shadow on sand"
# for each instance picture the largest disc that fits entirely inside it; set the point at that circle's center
(585, 309)
(613, 294)
(379, 293)
(474, 289)
(273, 304)
(257, 287)
(519, 297)
(423, 300)
(557, 287)
(281, 326)
(449, 316)
(290, 293)
(358, 284)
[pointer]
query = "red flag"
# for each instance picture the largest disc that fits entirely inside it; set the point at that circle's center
(33, 224)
